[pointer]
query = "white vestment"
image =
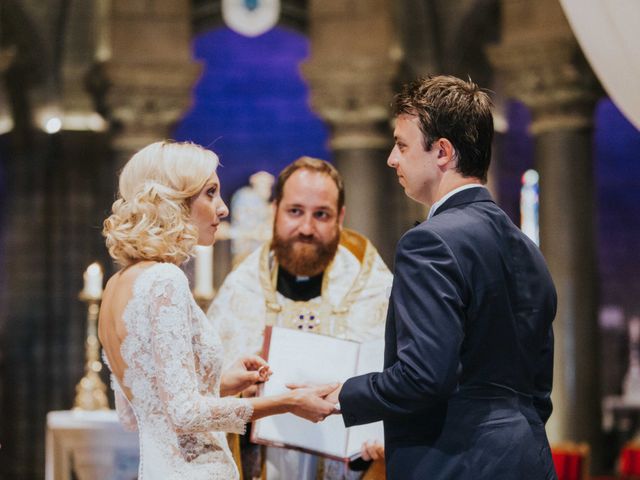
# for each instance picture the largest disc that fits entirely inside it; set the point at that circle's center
(353, 305)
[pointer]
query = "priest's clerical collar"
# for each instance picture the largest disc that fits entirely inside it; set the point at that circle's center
(298, 288)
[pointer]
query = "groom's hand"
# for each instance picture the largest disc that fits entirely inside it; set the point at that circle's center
(330, 396)
(309, 402)
(333, 398)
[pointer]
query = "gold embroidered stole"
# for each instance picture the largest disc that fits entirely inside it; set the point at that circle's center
(317, 315)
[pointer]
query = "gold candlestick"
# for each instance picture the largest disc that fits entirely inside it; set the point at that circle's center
(91, 392)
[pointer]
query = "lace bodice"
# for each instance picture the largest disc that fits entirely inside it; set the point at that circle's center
(174, 362)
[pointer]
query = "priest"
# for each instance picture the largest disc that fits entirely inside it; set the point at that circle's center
(314, 275)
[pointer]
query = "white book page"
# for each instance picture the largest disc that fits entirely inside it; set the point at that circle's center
(370, 359)
(301, 357)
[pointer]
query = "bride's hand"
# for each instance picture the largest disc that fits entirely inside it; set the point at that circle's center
(244, 373)
(308, 401)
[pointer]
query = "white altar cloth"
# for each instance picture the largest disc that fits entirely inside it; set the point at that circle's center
(91, 443)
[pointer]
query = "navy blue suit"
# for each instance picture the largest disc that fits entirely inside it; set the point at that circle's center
(466, 386)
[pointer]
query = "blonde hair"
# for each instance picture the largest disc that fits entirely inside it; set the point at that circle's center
(150, 220)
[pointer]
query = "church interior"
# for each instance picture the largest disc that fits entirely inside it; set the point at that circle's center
(85, 84)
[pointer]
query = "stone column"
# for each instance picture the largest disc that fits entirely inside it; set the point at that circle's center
(147, 69)
(541, 64)
(353, 62)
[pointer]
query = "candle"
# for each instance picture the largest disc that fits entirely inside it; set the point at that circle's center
(93, 281)
(204, 272)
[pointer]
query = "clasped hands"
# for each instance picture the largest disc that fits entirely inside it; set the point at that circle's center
(311, 402)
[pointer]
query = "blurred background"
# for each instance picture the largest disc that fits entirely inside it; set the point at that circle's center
(86, 83)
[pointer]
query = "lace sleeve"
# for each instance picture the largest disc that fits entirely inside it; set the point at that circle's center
(123, 408)
(171, 347)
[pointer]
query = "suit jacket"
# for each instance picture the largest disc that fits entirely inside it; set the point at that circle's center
(466, 386)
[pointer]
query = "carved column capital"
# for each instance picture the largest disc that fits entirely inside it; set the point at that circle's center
(354, 98)
(552, 77)
(353, 63)
(145, 100)
(146, 71)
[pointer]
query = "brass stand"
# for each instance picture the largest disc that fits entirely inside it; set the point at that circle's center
(91, 392)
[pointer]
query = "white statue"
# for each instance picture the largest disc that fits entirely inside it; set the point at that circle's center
(251, 216)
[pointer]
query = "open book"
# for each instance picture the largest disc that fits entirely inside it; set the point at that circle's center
(310, 358)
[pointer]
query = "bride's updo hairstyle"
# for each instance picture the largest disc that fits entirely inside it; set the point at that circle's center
(150, 220)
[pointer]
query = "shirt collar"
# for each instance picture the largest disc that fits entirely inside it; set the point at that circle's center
(439, 203)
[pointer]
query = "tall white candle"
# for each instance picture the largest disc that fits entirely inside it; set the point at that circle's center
(204, 271)
(93, 281)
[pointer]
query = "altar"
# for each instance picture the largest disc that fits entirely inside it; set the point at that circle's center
(89, 445)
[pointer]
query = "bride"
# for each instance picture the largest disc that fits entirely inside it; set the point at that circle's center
(165, 357)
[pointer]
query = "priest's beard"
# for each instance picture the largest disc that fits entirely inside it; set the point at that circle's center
(304, 255)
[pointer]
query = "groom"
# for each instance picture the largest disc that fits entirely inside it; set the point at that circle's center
(465, 390)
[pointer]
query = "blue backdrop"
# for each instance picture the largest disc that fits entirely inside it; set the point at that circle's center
(251, 104)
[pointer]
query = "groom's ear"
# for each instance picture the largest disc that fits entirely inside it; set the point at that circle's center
(446, 153)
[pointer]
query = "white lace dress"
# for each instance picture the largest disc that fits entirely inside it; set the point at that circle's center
(174, 362)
